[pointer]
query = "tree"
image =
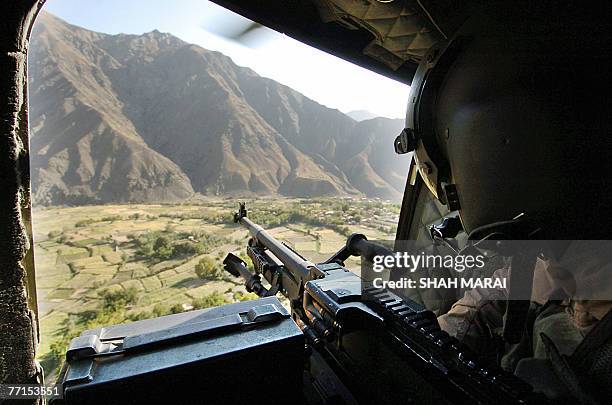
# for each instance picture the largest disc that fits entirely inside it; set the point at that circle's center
(214, 299)
(113, 301)
(161, 243)
(162, 248)
(207, 269)
(185, 249)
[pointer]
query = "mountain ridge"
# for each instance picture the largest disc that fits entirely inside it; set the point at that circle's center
(362, 115)
(132, 118)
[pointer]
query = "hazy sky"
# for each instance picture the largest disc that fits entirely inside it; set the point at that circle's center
(329, 80)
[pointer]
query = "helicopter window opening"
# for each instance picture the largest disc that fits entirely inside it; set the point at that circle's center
(150, 120)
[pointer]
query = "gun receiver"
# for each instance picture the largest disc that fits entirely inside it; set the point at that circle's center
(369, 345)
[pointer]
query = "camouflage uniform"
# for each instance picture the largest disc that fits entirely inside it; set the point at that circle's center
(557, 325)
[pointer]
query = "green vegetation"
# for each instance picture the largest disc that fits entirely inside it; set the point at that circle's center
(54, 234)
(332, 214)
(208, 301)
(167, 245)
(242, 296)
(116, 301)
(85, 222)
(111, 218)
(109, 264)
(113, 309)
(208, 269)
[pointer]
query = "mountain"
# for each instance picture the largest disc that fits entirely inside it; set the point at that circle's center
(361, 115)
(129, 118)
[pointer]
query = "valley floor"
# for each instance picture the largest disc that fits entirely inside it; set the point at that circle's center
(105, 264)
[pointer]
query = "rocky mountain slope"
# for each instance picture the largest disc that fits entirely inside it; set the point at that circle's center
(361, 115)
(151, 118)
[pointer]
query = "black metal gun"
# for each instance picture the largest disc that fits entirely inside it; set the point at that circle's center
(368, 345)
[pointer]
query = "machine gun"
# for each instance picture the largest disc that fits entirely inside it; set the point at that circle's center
(367, 345)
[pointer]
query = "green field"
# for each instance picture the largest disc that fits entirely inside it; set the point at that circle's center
(105, 264)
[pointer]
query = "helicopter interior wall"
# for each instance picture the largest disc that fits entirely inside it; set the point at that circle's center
(17, 295)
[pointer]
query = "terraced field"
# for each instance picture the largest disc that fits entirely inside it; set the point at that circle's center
(117, 263)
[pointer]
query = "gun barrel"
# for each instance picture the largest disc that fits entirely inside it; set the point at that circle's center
(291, 260)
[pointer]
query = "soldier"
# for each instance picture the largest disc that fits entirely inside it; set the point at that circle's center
(510, 125)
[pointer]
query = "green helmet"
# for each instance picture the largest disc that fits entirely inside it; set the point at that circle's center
(510, 119)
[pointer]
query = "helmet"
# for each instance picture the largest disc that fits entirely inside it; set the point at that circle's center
(511, 119)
